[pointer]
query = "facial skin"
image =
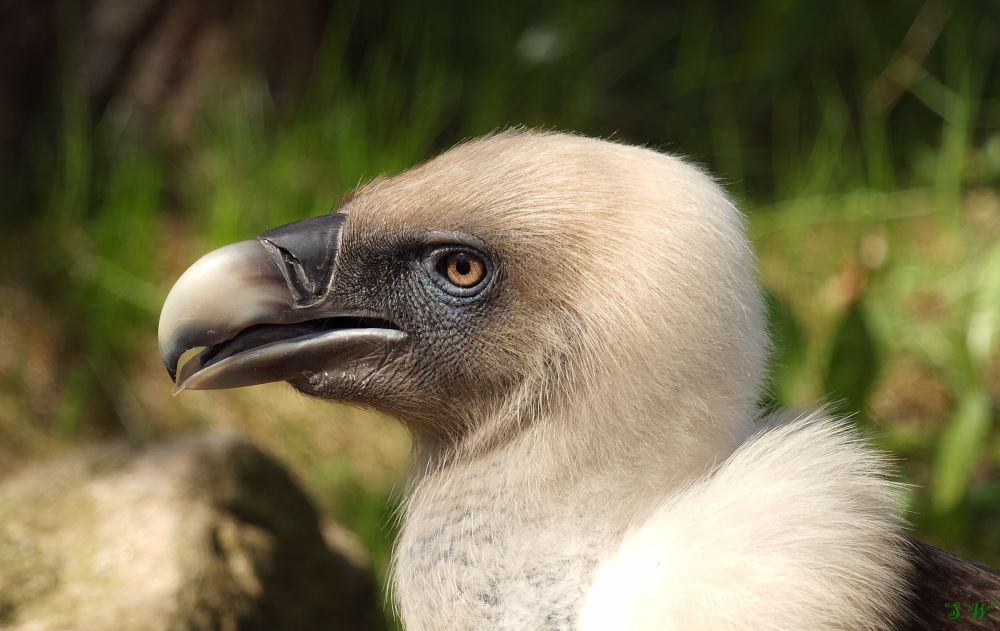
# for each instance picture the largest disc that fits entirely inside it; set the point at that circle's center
(404, 278)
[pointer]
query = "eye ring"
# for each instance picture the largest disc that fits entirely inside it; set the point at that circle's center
(459, 269)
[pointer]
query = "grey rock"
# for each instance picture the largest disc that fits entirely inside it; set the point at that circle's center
(201, 532)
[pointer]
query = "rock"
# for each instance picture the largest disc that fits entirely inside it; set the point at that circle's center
(201, 532)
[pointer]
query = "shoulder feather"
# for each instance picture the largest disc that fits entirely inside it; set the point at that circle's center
(798, 529)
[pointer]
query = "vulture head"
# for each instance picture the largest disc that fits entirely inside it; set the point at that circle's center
(516, 279)
(572, 331)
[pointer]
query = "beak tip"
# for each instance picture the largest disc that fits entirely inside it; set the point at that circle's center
(170, 359)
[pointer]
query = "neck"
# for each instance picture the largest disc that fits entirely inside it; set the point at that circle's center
(517, 530)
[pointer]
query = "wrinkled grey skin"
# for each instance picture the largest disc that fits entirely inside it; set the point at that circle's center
(392, 277)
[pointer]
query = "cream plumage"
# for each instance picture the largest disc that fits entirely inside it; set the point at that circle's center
(573, 331)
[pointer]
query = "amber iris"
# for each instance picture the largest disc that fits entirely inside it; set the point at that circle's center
(464, 269)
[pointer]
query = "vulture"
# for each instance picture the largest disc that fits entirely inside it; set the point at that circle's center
(573, 333)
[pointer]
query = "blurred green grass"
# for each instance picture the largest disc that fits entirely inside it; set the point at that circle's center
(870, 179)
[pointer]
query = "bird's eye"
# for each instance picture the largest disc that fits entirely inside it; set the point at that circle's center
(459, 269)
(462, 269)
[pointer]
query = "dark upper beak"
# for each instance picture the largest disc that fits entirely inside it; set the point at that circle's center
(264, 313)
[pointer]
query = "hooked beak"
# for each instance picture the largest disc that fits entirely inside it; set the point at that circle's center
(263, 310)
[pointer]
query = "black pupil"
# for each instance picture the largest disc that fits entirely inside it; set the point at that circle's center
(462, 265)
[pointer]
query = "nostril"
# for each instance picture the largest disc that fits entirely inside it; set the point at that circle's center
(300, 283)
(305, 253)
